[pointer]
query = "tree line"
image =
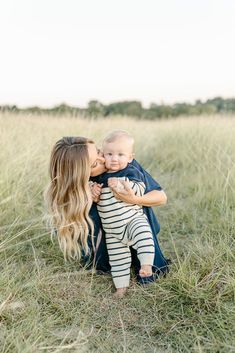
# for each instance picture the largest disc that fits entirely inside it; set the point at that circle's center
(217, 105)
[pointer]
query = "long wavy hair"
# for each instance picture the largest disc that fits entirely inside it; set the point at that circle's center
(68, 195)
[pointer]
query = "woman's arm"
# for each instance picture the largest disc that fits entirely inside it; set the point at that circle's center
(154, 195)
(151, 198)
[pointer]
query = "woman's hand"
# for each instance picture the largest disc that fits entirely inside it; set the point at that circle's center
(96, 191)
(151, 198)
(115, 184)
(123, 191)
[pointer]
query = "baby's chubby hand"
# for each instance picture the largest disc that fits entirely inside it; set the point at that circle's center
(95, 191)
(123, 191)
(115, 183)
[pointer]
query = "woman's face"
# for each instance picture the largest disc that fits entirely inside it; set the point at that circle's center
(97, 160)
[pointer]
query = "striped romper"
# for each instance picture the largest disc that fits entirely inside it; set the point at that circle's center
(125, 225)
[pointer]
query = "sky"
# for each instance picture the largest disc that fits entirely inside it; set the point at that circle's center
(73, 51)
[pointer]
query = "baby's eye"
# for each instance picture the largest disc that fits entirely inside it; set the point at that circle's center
(109, 154)
(121, 154)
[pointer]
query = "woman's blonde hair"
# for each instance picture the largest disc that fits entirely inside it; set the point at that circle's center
(68, 195)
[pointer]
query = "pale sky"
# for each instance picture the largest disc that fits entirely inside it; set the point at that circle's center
(72, 51)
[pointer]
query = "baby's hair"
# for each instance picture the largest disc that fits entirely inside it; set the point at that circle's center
(117, 134)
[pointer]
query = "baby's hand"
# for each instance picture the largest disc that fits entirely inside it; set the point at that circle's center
(96, 191)
(126, 194)
(115, 183)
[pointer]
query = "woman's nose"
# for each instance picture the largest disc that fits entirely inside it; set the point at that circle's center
(100, 153)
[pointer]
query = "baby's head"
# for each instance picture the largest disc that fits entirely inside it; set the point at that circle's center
(118, 150)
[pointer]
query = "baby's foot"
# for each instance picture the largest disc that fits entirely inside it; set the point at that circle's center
(146, 271)
(120, 292)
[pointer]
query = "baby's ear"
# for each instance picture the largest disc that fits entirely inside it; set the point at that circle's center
(132, 155)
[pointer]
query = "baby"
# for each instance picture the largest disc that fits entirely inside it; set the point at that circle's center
(125, 225)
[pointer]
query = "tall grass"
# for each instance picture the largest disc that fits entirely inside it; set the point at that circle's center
(49, 306)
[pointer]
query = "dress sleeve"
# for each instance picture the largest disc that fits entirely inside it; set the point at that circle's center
(150, 183)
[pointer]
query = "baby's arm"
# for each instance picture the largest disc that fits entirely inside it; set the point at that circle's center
(137, 186)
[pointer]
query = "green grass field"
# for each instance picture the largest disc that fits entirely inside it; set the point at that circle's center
(49, 306)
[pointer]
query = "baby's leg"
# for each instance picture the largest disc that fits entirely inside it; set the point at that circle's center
(140, 233)
(120, 262)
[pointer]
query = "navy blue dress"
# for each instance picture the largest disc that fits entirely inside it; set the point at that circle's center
(101, 257)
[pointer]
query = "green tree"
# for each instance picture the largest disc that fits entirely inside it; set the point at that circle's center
(95, 108)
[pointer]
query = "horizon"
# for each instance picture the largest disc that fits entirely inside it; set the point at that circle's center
(162, 103)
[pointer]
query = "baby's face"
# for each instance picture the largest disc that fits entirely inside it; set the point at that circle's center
(117, 154)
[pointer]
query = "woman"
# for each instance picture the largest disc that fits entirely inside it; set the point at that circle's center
(69, 197)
